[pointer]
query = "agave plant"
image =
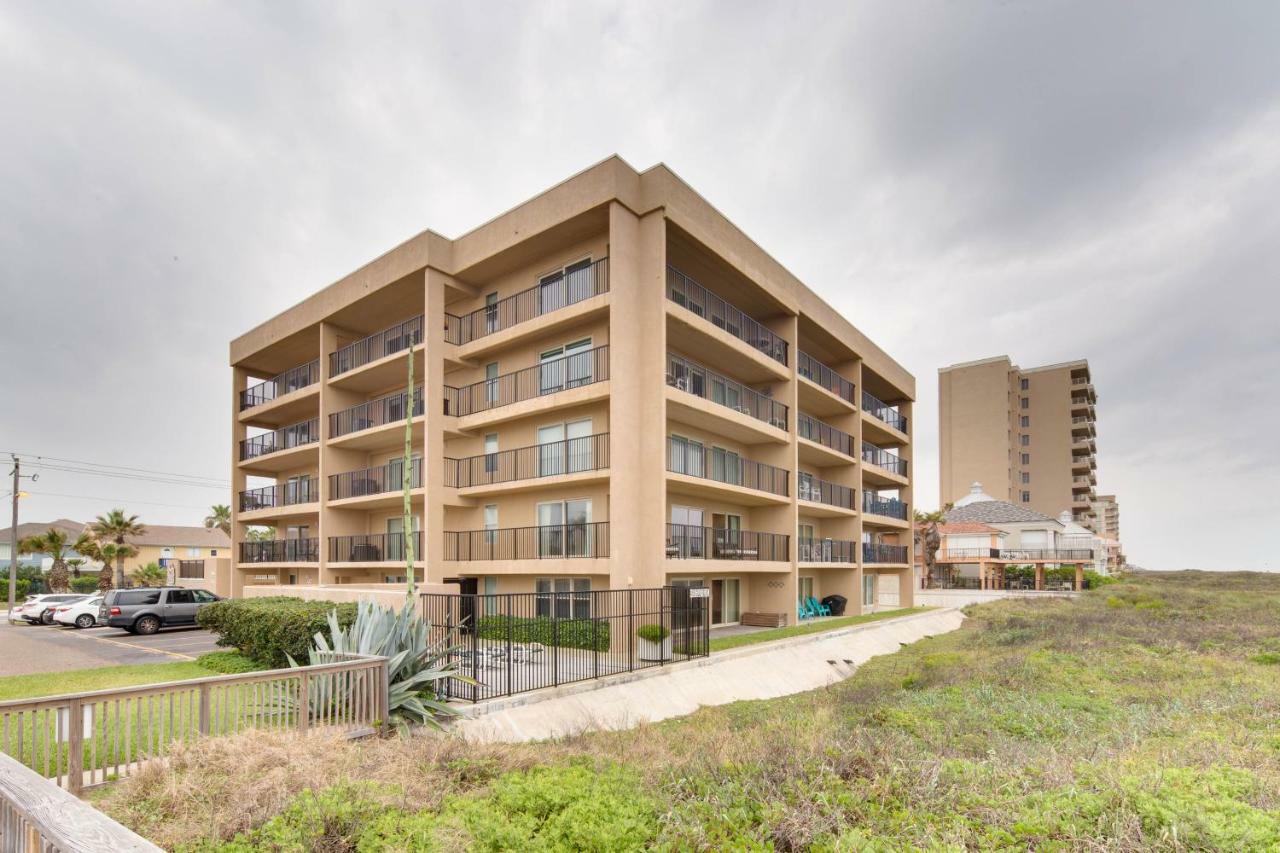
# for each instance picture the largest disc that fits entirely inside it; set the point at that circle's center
(417, 666)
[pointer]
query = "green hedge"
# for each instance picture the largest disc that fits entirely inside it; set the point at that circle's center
(85, 584)
(270, 630)
(567, 633)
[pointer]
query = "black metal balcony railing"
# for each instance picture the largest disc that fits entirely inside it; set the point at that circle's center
(683, 290)
(285, 438)
(559, 374)
(705, 383)
(1033, 554)
(399, 337)
(815, 371)
(548, 542)
(713, 463)
(384, 410)
(890, 462)
(818, 490)
(281, 551)
(884, 412)
(373, 548)
(877, 505)
(571, 456)
(374, 481)
(826, 551)
(575, 284)
(825, 434)
(878, 552)
(293, 379)
(282, 494)
(685, 542)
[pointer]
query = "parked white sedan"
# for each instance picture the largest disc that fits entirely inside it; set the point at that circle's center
(81, 614)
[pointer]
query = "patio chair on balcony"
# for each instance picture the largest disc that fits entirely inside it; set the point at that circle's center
(817, 607)
(365, 552)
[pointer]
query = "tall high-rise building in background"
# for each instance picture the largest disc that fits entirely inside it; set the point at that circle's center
(1027, 435)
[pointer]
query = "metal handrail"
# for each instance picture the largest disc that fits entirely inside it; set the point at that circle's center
(543, 542)
(880, 552)
(293, 379)
(374, 413)
(686, 292)
(572, 286)
(685, 541)
(375, 480)
(570, 456)
(884, 412)
(722, 466)
(810, 487)
(807, 426)
(703, 382)
(389, 341)
(281, 551)
(559, 374)
(877, 505)
(815, 371)
(884, 459)
(826, 551)
(281, 494)
(373, 547)
(286, 438)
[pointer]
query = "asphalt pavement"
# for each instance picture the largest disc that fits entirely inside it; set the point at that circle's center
(30, 649)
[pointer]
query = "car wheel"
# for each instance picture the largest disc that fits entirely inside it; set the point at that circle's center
(46, 618)
(146, 625)
(85, 620)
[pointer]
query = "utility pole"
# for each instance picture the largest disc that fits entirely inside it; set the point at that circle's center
(13, 547)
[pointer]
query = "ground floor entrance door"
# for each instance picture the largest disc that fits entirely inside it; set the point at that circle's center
(870, 585)
(725, 601)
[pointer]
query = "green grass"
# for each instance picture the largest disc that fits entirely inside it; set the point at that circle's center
(103, 678)
(733, 641)
(1144, 716)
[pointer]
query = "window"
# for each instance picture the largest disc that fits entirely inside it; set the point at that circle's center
(1026, 459)
(686, 456)
(203, 596)
(1026, 440)
(1025, 384)
(491, 524)
(491, 453)
(564, 529)
(491, 312)
(806, 588)
(685, 538)
(564, 448)
(565, 598)
(213, 552)
(491, 382)
(142, 596)
(566, 367)
(180, 596)
(1026, 478)
(1026, 497)
(193, 552)
(1026, 402)
(1026, 421)
(870, 585)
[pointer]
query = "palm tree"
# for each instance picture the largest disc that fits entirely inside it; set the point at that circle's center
(928, 538)
(259, 534)
(54, 543)
(149, 575)
(219, 517)
(116, 527)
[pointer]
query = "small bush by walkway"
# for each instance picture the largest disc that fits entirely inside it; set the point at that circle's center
(817, 626)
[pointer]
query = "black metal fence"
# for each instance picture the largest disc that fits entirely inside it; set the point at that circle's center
(546, 542)
(689, 542)
(683, 290)
(882, 458)
(375, 481)
(877, 505)
(884, 412)
(714, 463)
(281, 494)
(281, 551)
(384, 410)
(296, 435)
(571, 456)
(818, 490)
(515, 642)
(703, 382)
(399, 337)
(825, 434)
(815, 371)
(827, 551)
(293, 379)
(373, 547)
(580, 281)
(882, 552)
(548, 377)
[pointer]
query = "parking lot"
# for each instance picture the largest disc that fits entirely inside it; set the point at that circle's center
(29, 649)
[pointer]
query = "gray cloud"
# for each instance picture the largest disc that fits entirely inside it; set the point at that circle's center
(1051, 180)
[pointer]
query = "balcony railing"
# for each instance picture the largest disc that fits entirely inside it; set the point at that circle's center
(1032, 554)
(827, 551)
(373, 548)
(384, 410)
(877, 505)
(1080, 400)
(293, 379)
(815, 371)
(825, 434)
(551, 294)
(399, 337)
(375, 481)
(1080, 380)
(559, 374)
(890, 462)
(876, 552)
(684, 291)
(817, 490)
(570, 456)
(281, 551)
(882, 411)
(282, 494)
(702, 382)
(713, 463)
(687, 542)
(285, 438)
(548, 542)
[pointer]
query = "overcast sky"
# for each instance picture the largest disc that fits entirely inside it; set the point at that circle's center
(1047, 180)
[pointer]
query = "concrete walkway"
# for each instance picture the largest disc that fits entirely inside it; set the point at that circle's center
(761, 671)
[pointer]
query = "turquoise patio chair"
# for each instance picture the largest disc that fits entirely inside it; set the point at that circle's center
(817, 608)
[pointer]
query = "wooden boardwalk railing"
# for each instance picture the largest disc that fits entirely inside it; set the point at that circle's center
(80, 740)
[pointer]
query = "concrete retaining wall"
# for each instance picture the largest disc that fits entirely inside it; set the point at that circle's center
(761, 671)
(963, 597)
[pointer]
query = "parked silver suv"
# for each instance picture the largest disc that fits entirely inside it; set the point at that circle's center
(147, 610)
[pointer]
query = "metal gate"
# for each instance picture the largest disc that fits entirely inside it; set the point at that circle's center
(515, 642)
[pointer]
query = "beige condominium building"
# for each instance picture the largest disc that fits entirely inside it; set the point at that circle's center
(1028, 435)
(616, 388)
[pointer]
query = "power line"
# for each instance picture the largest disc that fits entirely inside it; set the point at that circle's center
(35, 458)
(135, 477)
(115, 499)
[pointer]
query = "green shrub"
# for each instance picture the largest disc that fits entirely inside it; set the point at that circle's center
(227, 663)
(567, 633)
(330, 819)
(1266, 658)
(653, 633)
(271, 630)
(85, 584)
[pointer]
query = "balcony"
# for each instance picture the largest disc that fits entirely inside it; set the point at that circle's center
(883, 459)
(819, 374)
(293, 379)
(687, 542)
(809, 427)
(280, 495)
(571, 456)
(285, 438)
(576, 284)
(548, 542)
(374, 481)
(281, 551)
(878, 552)
(375, 413)
(1032, 555)
(1079, 462)
(560, 374)
(374, 548)
(693, 378)
(686, 292)
(883, 412)
(827, 551)
(712, 463)
(379, 345)
(816, 490)
(888, 507)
